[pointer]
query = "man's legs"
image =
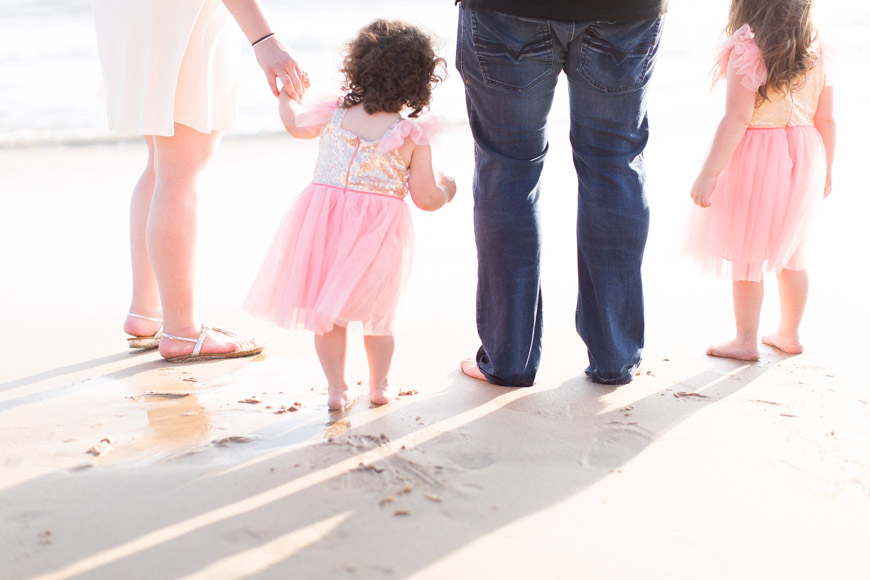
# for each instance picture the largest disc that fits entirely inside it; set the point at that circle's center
(609, 68)
(510, 72)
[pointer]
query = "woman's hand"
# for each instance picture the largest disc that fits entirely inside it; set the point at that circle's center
(702, 189)
(279, 64)
(274, 58)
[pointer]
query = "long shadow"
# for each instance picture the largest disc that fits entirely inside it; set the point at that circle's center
(356, 487)
(65, 388)
(60, 371)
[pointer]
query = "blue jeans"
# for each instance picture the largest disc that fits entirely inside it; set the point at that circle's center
(510, 66)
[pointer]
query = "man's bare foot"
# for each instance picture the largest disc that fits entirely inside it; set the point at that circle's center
(341, 399)
(736, 350)
(382, 394)
(785, 344)
(470, 368)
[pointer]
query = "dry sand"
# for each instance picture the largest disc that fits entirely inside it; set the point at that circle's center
(119, 466)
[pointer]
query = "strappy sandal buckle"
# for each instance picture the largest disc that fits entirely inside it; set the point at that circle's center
(196, 355)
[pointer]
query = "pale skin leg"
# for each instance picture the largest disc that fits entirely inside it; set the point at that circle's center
(332, 351)
(146, 296)
(379, 351)
(166, 222)
(747, 298)
(794, 287)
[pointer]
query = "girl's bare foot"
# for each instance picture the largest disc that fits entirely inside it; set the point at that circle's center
(470, 368)
(735, 349)
(341, 399)
(382, 394)
(783, 343)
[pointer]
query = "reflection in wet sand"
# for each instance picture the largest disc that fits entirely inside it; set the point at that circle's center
(175, 422)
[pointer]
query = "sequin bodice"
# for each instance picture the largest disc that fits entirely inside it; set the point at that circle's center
(350, 162)
(795, 108)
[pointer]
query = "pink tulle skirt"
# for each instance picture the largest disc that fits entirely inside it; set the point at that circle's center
(762, 205)
(338, 257)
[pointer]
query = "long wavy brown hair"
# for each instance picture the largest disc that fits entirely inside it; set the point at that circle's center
(785, 33)
(391, 65)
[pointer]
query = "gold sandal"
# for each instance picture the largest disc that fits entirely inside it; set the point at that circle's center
(145, 342)
(196, 356)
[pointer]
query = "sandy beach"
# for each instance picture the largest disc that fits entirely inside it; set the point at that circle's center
(121, 466)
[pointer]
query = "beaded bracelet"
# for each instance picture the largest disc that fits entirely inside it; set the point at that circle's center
(267, 37)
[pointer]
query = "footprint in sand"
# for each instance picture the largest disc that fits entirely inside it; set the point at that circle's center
(613, 444)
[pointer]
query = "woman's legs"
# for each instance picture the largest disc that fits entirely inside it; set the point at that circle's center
(170, 237)
(146, 297)
(379, 351)
(332, 350)
(747, 312)
(794, 288)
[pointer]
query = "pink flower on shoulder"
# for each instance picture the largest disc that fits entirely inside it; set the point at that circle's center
(420, 131)
(317, 110)
(749, 60)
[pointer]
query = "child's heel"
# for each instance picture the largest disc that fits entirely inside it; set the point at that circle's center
(342, 399)
(382, 394)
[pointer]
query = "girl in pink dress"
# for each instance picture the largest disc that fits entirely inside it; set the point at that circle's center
(768, 168)
(342, 251)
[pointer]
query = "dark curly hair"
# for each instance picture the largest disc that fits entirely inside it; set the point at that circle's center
(390, 65)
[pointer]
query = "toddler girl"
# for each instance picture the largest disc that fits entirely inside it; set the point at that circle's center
(343, 249)
(768, 167)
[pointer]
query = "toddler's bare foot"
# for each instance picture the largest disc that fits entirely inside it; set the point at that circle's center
(341, 399)
(470, 368)
(735, 349)
(382, 394)
(783, 343)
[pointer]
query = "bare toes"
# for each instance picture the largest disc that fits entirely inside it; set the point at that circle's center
(470, 368)
(735, 351)
(342, 401)
(787, 345)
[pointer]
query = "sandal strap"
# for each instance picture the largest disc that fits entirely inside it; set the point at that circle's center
(197, 341)
(144, 317)
(201, 339)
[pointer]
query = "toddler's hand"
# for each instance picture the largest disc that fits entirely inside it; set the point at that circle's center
(702, 189)
(448, 184)
(828, 184)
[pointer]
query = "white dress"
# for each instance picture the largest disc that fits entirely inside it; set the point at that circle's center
(166, 62)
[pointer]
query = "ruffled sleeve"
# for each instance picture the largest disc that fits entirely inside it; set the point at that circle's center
(828, 60)
(748, 59)
(420, 131)
(317, 111)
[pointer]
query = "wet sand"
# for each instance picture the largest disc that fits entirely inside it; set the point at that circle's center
(119, 465)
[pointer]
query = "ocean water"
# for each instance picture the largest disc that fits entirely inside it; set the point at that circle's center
(50, 81)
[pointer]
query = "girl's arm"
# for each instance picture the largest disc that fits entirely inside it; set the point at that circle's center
(739, 108)
(289, 109)
(427, 193)
(824, 122)
(274, 58)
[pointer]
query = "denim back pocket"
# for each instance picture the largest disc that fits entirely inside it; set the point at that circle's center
(618, 57)
(513, 53)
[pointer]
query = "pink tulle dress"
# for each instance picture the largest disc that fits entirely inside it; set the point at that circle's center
(765, 197)
(342, 252)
